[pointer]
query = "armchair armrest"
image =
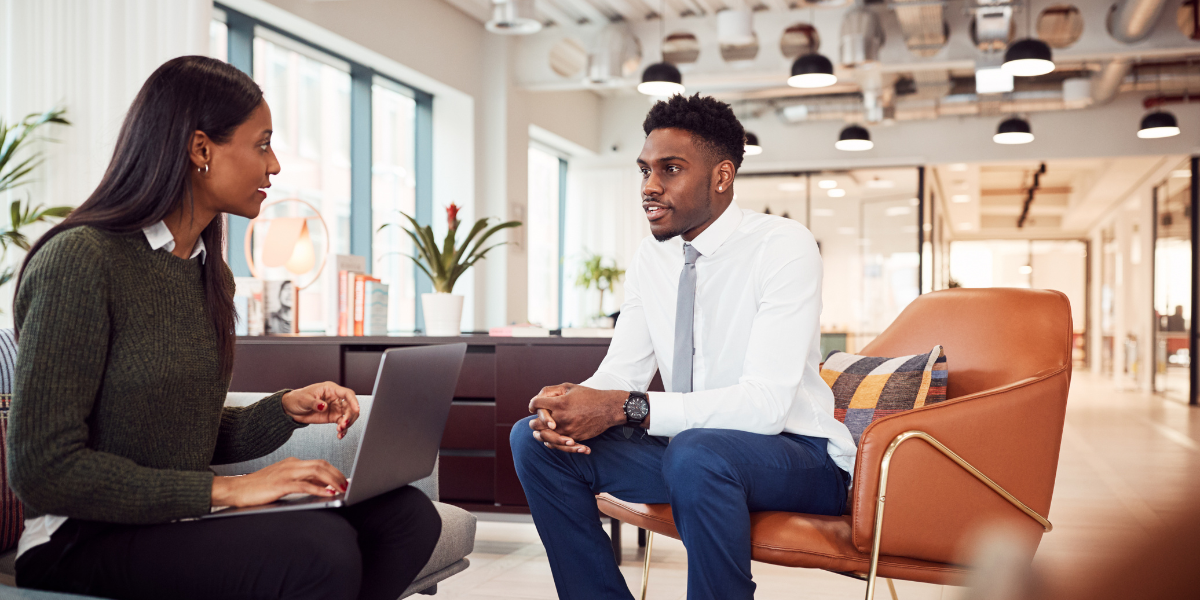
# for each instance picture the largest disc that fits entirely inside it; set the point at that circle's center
(1011, 434)
(316, 442)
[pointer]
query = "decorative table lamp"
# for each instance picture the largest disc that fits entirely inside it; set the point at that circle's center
(288, 244)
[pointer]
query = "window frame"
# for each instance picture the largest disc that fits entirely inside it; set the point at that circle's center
(242, 29)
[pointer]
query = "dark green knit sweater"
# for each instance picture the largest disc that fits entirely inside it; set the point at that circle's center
(117, 407)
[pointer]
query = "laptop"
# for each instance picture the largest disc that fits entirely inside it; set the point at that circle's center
(401, 432)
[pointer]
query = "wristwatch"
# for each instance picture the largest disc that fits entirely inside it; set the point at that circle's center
(637, 408)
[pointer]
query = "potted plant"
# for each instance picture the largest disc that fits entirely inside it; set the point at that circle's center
(15, 172)
(444, 265)
(593, 273)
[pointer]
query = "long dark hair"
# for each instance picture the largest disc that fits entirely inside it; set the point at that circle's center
(150, 171)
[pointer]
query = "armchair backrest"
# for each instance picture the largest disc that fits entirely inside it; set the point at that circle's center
(992, 336)
(1008, 353)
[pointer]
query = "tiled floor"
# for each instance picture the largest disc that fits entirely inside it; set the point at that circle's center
(1126, 460)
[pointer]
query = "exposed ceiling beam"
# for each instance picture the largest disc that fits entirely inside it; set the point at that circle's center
(589, 12)
(554, 13)
(627, 10)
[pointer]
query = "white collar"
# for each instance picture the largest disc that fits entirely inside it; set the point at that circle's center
(160, 238)
(710, 239)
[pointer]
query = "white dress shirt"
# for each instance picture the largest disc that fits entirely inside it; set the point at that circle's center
(756, 332)
(38, 531)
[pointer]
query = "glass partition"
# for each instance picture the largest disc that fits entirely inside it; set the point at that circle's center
(866, 225)
(1173, 284)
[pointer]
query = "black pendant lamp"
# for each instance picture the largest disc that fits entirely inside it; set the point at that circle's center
(661, 79)
(1028, 58)
(854, 138)
(812, 71)
(752, 147)
(1014, 130)
(1158, 124)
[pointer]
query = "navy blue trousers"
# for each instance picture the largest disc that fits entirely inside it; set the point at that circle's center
(713, 478)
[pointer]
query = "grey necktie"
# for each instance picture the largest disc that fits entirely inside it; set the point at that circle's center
(684, 311)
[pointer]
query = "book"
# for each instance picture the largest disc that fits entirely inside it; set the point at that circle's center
(248, 301)
(376, 315)
(519, 331)
(346, 302)
(360, 300)
(334, 288)
(280, 300)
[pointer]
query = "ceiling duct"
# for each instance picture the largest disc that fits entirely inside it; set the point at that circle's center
(1107, 82)
(1131, 21)
(924, 25)
(735, 35)
(993, 26)
(615, 56)
(861, 37)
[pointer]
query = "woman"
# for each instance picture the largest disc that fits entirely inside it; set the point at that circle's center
(125, 319)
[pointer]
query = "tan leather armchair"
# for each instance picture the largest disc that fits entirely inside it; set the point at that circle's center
(984, 458)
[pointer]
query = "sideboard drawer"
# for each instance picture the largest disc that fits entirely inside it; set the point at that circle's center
(470, 426)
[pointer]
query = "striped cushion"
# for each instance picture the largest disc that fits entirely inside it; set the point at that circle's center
(866, 388)
(12, 514)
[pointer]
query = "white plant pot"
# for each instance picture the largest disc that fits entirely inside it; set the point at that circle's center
(443, 314)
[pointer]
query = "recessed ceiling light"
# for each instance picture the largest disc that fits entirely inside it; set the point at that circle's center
(914, 201)
(898, 211)
(827, 184)
(1025, 269)
(965, 227)
(822, 212)
(846, 230)
(837, 193)
(960, 198)
(959, 167)
(880, 184)
(1181, 173)
(791, 186)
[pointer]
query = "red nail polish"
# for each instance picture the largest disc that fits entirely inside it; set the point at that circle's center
(321, 406)
(344, 486)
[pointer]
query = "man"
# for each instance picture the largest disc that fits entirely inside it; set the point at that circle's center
(726, 306)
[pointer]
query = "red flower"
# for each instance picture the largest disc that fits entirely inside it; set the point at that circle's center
(452, 215)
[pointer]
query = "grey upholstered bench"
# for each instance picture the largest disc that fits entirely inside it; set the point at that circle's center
(458, 526)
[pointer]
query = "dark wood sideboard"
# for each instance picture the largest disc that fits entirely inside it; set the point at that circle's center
(499, 376)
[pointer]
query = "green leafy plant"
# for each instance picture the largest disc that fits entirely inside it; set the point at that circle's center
(14, 172)
(446, 264)
(593, 273)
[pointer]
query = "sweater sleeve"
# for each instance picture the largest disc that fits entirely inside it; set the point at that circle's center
(64, 322)
(248, 432)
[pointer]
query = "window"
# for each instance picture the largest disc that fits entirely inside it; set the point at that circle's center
(546, 189)
(310, 105)
(218, 37)
(354, 145)
(393, 190)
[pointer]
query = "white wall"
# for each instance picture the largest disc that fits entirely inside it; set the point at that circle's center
(90, 58)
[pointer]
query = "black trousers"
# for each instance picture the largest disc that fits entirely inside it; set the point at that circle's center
(372, 550)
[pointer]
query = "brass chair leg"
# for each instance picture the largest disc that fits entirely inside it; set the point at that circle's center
(646, 567)
(892, 588)
(881, 496)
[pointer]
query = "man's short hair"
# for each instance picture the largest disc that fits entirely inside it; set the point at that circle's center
(710, 121)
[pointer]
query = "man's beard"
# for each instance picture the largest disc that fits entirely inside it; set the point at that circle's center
(684, 228)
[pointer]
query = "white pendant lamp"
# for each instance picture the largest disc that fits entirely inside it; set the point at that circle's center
(661, 78)
(1158, 124)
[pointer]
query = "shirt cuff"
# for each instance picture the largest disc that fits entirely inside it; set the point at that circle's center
(666, 414)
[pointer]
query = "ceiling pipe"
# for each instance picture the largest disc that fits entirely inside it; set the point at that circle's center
(1163, 100)
(1107, 82)
(1132, 20)
(861, 37)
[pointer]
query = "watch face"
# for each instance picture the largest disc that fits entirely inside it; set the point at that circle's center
(637, 409)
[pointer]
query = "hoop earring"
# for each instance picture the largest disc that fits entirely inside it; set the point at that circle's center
(205, 171)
